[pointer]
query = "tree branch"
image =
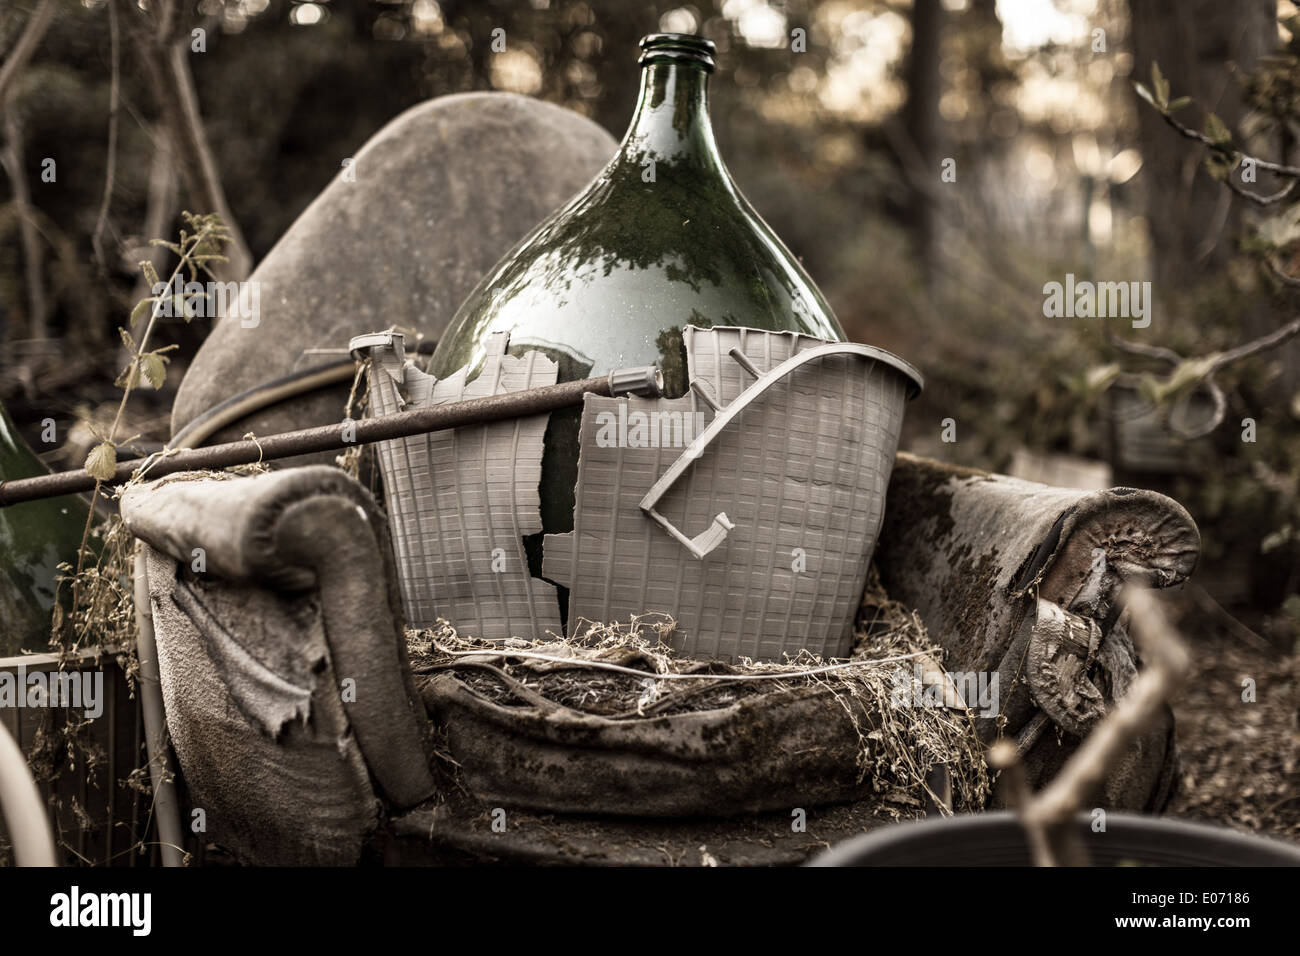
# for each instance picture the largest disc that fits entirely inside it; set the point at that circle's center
(1271, 340)
(1167, 664)
(1147, 351)
(32, 35)
(163, 58)
(195, 139)
(1256, 198)
(1226, 150)
(1262, 344)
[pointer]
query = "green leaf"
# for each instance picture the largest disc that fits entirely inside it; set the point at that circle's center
(154, 369)
(1148, 387)
(101, 463)
(126, 338)
(1215, 130)
(1181, 103)
(1189, 373)
(1159, 86)
(1220, 166)
(130, 376)
(1099, 378)
(141, 307)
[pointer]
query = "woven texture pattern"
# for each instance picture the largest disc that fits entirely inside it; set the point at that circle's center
(801, 473)
(461, 501)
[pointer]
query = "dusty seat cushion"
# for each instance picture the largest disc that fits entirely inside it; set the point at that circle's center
(564, 734)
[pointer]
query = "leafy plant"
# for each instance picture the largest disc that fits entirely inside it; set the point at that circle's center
(100, 612)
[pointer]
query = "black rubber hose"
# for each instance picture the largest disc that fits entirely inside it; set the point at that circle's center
(202, 427)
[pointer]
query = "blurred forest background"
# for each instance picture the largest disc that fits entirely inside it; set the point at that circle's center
(1060, 167)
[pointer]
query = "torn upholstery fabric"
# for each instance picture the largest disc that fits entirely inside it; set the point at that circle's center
(282, 658)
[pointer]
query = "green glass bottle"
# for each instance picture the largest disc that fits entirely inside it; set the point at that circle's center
(34, 537)
(661, 239)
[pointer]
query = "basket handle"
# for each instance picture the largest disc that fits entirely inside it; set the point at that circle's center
(716, 533)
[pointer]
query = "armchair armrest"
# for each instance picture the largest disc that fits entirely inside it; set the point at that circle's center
(967, 548)
(1019, 581)
(282, 658)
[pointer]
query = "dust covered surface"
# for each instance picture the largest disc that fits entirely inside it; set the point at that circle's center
(899, 745)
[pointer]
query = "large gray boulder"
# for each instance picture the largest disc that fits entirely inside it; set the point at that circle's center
(440, 195)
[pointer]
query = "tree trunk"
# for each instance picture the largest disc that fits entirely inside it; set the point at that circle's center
(1201, 46)
(921, 120)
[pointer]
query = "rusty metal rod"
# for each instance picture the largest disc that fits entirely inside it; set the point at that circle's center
(306, 441)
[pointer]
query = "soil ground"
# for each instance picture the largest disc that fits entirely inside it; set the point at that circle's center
(1240, 759)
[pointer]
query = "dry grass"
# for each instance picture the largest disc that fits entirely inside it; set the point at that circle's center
(900, 745)
(100, 615)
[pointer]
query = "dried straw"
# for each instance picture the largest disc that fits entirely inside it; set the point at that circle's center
(629, 672)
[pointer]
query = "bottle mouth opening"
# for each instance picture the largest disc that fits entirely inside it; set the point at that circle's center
(680, 47)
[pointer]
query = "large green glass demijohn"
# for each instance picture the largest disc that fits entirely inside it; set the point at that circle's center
(661, 239)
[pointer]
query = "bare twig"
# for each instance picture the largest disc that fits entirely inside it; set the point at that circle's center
(32, 35)
(1262, 344)
(209, 231)
(1226, 150)
(1167, 662)
(28, 228)
(1160, 353)
(166, 19)
(110, 165)
(195, 138)
(162, 47)
(160, 211)
(1256, 198)
(1005, 758)
(1147, 351)
(1208, 604)
(1271, 340)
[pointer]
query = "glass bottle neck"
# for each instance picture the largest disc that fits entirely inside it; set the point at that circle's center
(671, 124)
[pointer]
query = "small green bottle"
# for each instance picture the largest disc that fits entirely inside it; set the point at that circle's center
(34, 537)
(661, 239)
